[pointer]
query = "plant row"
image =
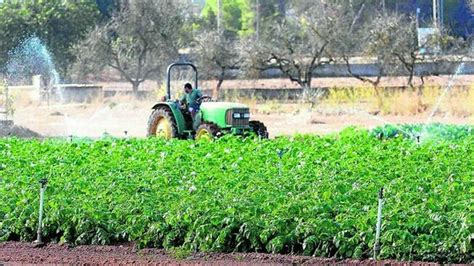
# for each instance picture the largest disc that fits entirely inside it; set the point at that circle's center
(304, 195)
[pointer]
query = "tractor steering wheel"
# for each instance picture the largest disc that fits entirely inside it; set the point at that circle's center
(204, 98)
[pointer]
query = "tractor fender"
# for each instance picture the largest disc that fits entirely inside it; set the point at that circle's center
(178, 116)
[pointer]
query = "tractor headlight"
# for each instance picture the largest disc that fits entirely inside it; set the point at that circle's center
(236, 115)
(246, 115)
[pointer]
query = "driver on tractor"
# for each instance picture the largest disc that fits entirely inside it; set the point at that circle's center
(191, 99)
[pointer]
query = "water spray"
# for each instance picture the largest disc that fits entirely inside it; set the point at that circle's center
(379, 225)
(38, 242)
(459, 71)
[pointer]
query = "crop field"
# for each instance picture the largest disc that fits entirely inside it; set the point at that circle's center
(311, 195)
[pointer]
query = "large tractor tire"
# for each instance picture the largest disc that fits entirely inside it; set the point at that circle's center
(259, 128)
(207, 131)
(162, 124)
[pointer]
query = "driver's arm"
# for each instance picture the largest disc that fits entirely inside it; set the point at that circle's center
(182, 100)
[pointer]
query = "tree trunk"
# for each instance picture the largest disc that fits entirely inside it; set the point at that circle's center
(217, 89)
(135, 86)
(421, 106)
(379, 96)
(220, 80)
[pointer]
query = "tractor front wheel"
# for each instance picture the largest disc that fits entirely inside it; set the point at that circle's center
(162, 124)
(207, 131)
(259, 128)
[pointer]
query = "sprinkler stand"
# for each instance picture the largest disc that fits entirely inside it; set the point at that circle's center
(280, 155)
(38, 242)
(379, 225)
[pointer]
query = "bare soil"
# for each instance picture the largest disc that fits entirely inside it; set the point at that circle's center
(7, 130)
(128, 118)
(15, 253)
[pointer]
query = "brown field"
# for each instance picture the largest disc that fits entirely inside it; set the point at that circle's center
(119, 115)
(347, 103)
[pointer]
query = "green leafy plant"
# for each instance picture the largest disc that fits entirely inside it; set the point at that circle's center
(228, 195)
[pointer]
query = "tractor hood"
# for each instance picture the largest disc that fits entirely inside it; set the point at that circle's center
(217, 112)
(222, 105)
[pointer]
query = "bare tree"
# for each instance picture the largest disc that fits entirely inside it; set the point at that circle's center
(217, 55)
(407, 50)
(375, 40)
(297, 46)
(137, 42)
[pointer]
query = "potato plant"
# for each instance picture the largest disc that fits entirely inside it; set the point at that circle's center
(229, 195)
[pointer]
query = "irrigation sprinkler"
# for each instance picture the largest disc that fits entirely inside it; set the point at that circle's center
(380, 135)
(38, 242)
(280, 165)
(379, 225)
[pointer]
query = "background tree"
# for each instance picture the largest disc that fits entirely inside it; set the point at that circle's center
(137, 41)
(59, 24)
(407, 51)
(237, 16)
(375, 39)
(298, 45)
(269, 13)
(216, 56)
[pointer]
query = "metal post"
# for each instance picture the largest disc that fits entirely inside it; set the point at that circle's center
(280, 165)
(379, 225)
(219, 6)
(438, 14)
(441, 13)
(258, 19)
(38, 241)
(418, 11)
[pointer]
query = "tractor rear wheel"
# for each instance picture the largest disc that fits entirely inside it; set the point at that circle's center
(207, 131)
(162, 124)
(259, 128)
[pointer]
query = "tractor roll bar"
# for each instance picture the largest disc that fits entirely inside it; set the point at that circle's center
(168, 73)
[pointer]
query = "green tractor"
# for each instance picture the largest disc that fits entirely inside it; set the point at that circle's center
(171, 120)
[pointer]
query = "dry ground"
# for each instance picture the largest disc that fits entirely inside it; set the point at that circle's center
(120, 117)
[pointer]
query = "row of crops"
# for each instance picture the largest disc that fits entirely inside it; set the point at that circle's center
(305, 194)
